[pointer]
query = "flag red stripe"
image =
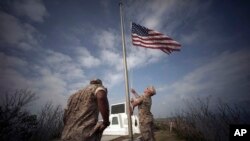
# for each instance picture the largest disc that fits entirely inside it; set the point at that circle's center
(156, 41)
(148, 38)
(151, 37)
(157, 47)
(162, 43)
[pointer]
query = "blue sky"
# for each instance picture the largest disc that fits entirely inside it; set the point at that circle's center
(55, 47)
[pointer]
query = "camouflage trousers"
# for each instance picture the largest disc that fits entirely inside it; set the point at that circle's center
(147, 132)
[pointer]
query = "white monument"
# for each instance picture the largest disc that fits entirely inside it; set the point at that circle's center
(119, 122)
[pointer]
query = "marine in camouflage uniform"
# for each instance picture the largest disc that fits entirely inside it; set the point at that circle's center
(81, 115)
(146, 119)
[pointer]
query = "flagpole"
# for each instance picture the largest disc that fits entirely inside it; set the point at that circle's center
(126, 75)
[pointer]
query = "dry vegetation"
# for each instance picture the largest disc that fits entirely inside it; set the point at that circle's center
(163, 131)
(198, 122)
(18, 124)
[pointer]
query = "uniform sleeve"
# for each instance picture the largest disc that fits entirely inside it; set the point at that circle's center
(100, 88)
(139, 99)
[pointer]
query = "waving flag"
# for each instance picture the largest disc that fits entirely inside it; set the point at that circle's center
(148, 38)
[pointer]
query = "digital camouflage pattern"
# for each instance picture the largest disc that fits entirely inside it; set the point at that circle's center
(81, 115)
(146, 118)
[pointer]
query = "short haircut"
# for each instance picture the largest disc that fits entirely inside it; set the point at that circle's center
(96, 81)
(152, 89)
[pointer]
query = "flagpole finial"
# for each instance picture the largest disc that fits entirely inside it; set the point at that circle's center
(120, 3)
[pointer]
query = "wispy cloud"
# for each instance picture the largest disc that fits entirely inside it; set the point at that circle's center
(85, 58)
(11, 61)
(171, 16)
(112, 59)
(52, 78)
(33, 9)
(113, 78)
(17, 34)
(139, 57)
(225, 76)
(10, 73)
(106, 39)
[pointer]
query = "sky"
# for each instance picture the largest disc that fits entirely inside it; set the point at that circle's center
(55, 47)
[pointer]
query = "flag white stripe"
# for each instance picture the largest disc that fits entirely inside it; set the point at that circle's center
(156, 41)
(148, 38)
(157, 46)
(151, 37)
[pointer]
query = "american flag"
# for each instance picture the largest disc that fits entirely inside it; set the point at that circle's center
(148, 38)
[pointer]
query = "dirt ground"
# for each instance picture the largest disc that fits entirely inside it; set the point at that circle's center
(164, 135)
(160, 135)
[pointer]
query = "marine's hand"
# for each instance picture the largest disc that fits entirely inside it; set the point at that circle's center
(102, 128)
(99, 127)
(133, 91)
(131, 110)
(131, 100)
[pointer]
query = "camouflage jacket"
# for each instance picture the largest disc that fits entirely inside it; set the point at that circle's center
(81, 114)
(144, 109)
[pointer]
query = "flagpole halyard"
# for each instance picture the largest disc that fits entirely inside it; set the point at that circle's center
(126, 75)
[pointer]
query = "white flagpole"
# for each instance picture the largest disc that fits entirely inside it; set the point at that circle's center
(126, 75)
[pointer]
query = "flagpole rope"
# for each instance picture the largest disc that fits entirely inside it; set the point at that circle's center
(131, 70)
(131, 62)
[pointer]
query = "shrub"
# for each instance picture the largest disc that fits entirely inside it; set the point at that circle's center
(200, 122)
